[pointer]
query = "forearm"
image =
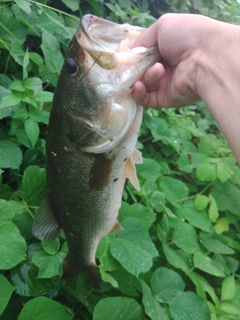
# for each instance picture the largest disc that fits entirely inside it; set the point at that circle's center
(218, 83)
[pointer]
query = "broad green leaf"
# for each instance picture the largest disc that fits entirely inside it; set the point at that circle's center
(222, 172)
(208, 265)
(228, 290)
(142, 213)
(201, 202)
(227, 197)
(236, 300)
(8, 209)
(116, 308)
(51, 247)
(17, 52)
(52, 53)
(5, 292)
(10, 155)
(190, 306)
(42, 308)
(185, 237)
(127, 283)
(50, 265)
(24, 5)
(133, 248)
(34, 185)
(206, 171)
(214, 245)
(32, 131)
(72, 4)
(10, 101)
(174, 189)
(151, 305)
(175, 259)
(12, 29)
(12, 246)
(184, 163)
(197, 219)
(166, 284)
(222, 225)
(25, 65)
(17, 85)
(32, 83)
(202, 285)
(107, 277)
(44, 96)
(230, 309)
(213, 209)
(149, 169)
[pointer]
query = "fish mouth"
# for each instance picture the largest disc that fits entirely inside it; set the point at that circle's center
(105, 40)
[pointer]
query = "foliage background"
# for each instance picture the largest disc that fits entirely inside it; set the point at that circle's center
(178, 256)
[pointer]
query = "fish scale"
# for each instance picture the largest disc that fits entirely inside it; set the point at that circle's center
(92, 133)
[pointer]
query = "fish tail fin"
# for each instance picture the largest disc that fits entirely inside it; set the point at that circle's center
(91, 271)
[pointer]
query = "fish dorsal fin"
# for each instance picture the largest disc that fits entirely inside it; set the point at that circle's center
(45, 226)
(130, 169)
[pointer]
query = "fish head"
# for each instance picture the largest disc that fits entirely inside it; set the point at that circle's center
(100, 69)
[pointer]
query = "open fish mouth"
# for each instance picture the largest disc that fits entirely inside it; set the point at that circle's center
(108, 43)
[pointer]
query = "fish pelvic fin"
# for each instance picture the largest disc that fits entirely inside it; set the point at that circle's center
(45, 226)
(116, 227)
(91, 271)
(130, 169)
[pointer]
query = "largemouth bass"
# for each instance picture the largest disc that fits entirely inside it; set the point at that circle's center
(91, 139)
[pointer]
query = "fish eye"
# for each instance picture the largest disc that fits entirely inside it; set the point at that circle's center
(71, 67)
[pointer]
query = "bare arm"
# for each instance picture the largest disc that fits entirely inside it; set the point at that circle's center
(201, 61)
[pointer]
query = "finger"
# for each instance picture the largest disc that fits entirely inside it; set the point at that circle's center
(153, 76)
(148, 38)
(144, 98)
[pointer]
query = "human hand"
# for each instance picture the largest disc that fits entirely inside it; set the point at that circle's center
(181, 39)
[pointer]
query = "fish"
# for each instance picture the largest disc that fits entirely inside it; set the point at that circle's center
(90, 145)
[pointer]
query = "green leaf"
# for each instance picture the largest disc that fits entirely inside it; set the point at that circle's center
(174, 189)
(208, 264)
(222, 172)
(166, 284)
(12, 246)
(228, 290)
(52, 53)
(189, 306)
(24, 277)
(10, 101)
(51, 247)
(149, 169)
(42, 308)
(32, 131)
(214, 245)
(12, 29)
(34, 185)
(206, 171)
(133, 248)
(50, 265)
(185, 237)
(222, 225)
(24, 5)
(151, 305)
(10, 155)
(141, 213)
(5, 292)
(17, 85)
(112, 309)
(213, 209)
(201, 202)
(32, 83)
(229, 309)
(174, 258)
(44, 96)
(72, 4)
(8, 209)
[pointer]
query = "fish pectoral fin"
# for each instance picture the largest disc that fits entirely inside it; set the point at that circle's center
(130, 169)
(45, 226)
(116, 228)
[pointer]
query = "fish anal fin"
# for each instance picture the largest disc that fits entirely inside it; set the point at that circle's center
(45, 226)
(131, 174)
(116, 227)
